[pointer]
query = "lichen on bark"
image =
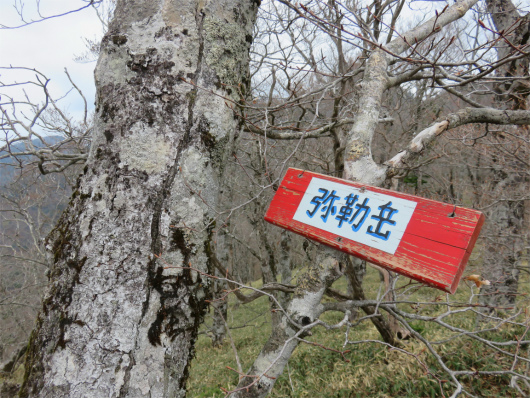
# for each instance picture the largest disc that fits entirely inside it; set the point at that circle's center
(117, 320)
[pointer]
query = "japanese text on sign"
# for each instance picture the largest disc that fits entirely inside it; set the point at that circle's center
(367, 217)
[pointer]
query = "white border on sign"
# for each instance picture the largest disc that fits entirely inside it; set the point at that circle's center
(370, 218)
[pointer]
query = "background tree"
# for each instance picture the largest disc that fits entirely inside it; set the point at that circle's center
(511, 174)
(427, 57)
(28, 205)
(334, 85)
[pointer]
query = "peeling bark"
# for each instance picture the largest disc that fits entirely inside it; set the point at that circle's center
(304, 308)
(451, 121)
(117, 321)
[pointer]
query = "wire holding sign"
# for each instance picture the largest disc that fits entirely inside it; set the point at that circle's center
(350, 211)
(423, 239)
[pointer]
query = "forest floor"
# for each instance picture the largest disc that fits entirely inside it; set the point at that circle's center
(328, 369)
(366, 369)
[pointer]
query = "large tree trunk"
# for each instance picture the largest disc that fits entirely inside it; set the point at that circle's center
(117, 321)
(507, 227)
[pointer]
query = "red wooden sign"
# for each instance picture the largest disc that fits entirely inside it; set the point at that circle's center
(422, 239)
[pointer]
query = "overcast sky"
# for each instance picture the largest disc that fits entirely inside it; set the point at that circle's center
(50, 46)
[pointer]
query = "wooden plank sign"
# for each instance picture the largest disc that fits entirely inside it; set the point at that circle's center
(422, 239)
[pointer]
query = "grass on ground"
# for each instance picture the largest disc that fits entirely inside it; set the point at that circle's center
(371, 369)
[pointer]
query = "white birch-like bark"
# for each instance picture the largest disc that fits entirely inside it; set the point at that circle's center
(359, 166)
(358, 161)
(116, 321)
(451, 121)
(303, 309)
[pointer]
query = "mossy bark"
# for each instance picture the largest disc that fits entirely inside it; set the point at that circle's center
(118, 321)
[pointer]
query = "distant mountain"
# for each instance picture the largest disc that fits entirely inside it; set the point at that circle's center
(21, 145)
(9, 166)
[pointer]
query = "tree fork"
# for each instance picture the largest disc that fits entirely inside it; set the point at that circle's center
(358, 166)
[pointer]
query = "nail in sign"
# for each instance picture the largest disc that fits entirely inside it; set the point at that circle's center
(423, 239)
